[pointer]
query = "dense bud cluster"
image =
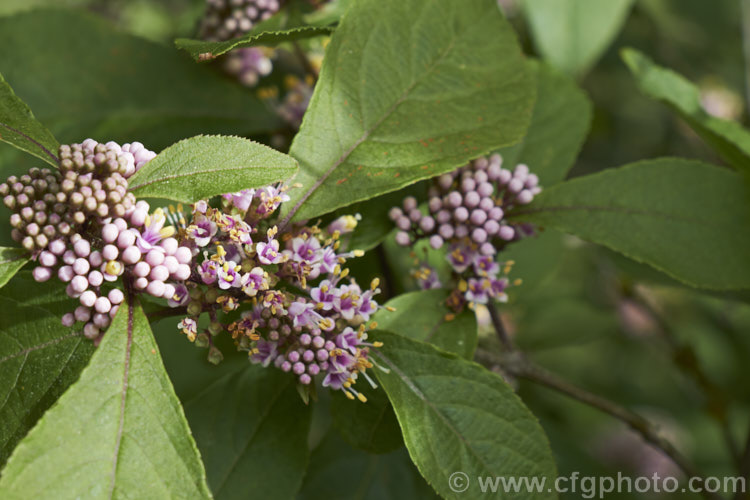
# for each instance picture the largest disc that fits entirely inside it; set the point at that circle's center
(467, 211)
(248, 64)
(82, 225)
(304, 314)
(226, 19)
(296, 100)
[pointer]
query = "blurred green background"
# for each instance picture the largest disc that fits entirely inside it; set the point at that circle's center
(607, 324)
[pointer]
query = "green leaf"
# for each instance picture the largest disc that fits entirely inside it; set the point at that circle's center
(119, 430)
(424, 316)
(338, 471)
(205, 166)
(685, 218)
(109, 85)
(39, 358)
(559, 125)
(458, 417)
(11, 261)
(248, 421)
(370, 426)
(19, 128)
(573, 34)
(409, 89)
(201, 50)
(251, 423)
(730, 140)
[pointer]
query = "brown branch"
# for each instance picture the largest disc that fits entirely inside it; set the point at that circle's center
(517, 365)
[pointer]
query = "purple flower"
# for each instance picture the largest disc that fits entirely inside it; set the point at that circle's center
(427, 278)
(202, 230)
(305, 249)
(265, 352)
(208, 271)
(344, 224)
(478, 290)
(227, 275)
(485, 265)
(335, 379)
(367, 306)
(348, 340)
(328, 259)
(241, 200)
(180, 297)
(254, 281)
(189, 327)
(322, 295)
(154, 231)
(303, 314)
(268, 253)
(460, 256)
(346, 300)
(270, 199)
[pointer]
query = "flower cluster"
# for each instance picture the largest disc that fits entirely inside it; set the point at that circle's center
(303, 313)
(467, 211)
(296, 100)
(226, 19)
(81, 224)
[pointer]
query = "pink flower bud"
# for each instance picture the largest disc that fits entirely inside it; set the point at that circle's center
(183, 272)
(82, 248)
(79, 284)
(102, 305)
(47, 259)
(436, 241)
(115, 296)
(95, 278)
(131, 255)
(88, 298)
(141, 269)
(171, 264)
(82, 314)
(126, 239)
(169, 245)
(65, 273)
(42, 273)
(155, 257)
(507, 233)
(95, 259)
(155, 288)
(110, 232)
(184, 255)
(68, 320)
(159, 273)
(141, 283)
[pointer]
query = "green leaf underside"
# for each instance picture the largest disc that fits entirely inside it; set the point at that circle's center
(559, 125)
(19, 128)
(201, 50)
(205, 166)
(372, 426)
(406, 96)
(573, 34)
(39, 359)
(109, 85)
(251, 427)
(457, 416)
(11, 261)
(118, 432)
(338, 471)
(730, 140)
(685, 218)
(422, 316)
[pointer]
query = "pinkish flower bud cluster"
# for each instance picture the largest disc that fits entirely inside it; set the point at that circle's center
(249, 64)
(293, 106)
(467, 211)
(95, 231)
(304, 315)
(226, 19)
